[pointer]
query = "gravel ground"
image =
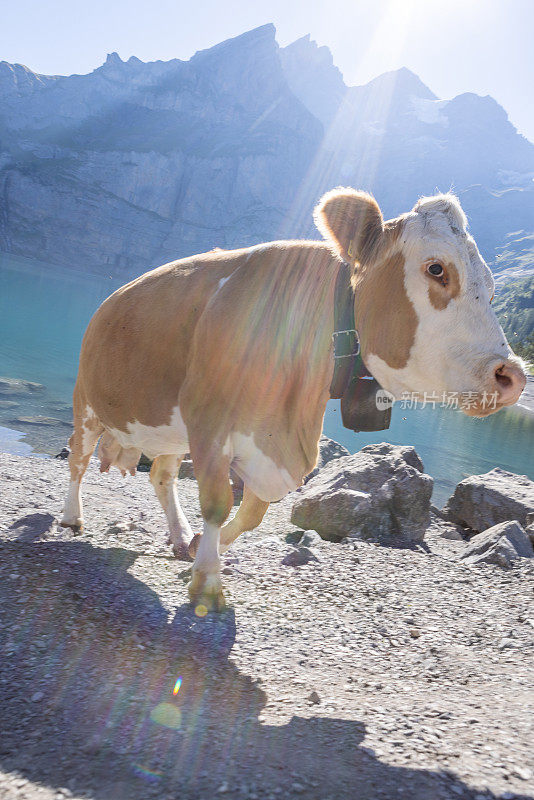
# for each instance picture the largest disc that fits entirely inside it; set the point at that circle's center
(368, 672)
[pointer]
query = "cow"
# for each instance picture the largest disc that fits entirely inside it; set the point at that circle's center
(228, 356)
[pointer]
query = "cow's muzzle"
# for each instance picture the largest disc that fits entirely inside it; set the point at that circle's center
(504, 381)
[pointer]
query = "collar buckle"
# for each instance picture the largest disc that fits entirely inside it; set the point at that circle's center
(346, 343)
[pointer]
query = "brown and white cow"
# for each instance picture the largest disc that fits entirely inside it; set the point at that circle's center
(228, 355)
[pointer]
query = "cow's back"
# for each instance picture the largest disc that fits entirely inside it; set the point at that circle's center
(134, 353)
(260, 369)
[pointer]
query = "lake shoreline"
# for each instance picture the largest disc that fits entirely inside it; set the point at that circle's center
(526, 401)
(44, 352)
(440, 457)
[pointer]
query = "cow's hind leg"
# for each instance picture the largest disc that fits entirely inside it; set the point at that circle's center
(87, 429)
(215, 493)
(249, 515)
(163, 478)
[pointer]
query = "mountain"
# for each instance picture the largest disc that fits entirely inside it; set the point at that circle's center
(514, 306)
(394, 137)
(139, 163)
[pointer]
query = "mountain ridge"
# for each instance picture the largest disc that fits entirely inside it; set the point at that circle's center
(140, 162)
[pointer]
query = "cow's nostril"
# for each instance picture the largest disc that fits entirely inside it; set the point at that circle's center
(510, 381)
(502, 379)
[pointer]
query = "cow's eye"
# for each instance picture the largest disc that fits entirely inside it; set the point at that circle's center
(435, 269)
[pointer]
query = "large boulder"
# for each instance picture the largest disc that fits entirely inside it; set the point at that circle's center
(500, 545)
(481, 501)
(328, 451)
(379, 492)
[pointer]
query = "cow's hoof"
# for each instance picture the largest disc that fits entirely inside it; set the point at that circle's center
(205, 592)
(181, 551)
(193, 545)
(75, 523)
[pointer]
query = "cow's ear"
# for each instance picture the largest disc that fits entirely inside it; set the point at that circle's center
(351, 221)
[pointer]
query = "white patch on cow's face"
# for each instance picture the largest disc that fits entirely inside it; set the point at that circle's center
(155, 441)
(454, 345)
(260, 473)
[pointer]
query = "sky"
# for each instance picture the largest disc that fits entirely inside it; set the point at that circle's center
(482, 46)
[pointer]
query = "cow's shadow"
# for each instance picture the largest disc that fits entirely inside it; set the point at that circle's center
(89, 697)
(33, 526)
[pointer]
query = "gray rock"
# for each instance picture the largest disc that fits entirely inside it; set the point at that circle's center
(18, 386)
(328, 451)
(294, 537)
(64, 453)
(186, 469)
(117, 529)
(507, 644)
(237, 482)
(451, 533)
(500, 545)
(442, 528)
(309, 539)
(144, 464)
(481, 501)
(529, 529)
(380, 491)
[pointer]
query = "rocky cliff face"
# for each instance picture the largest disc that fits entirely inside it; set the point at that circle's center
(395, 138)
(136, 164)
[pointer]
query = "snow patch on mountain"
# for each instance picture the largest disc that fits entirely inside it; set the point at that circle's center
(429, 111)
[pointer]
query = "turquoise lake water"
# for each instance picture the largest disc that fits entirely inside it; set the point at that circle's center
(43, 314)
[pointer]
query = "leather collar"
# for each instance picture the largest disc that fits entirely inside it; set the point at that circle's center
(351, 382)
(347, 357)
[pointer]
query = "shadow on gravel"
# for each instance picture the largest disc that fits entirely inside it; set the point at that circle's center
(31, 527)
(90, 660)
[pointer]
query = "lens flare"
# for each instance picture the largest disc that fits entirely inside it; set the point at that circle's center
(177, 686)
(201, 610)
(167, 715)
(151, 774)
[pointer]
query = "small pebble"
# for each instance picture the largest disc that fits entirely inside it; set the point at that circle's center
(524, 773)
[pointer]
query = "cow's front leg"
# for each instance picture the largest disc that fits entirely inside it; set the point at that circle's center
(205, 588)
(216, 500)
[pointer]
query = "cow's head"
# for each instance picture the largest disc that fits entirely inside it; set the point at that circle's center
(423, 295)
